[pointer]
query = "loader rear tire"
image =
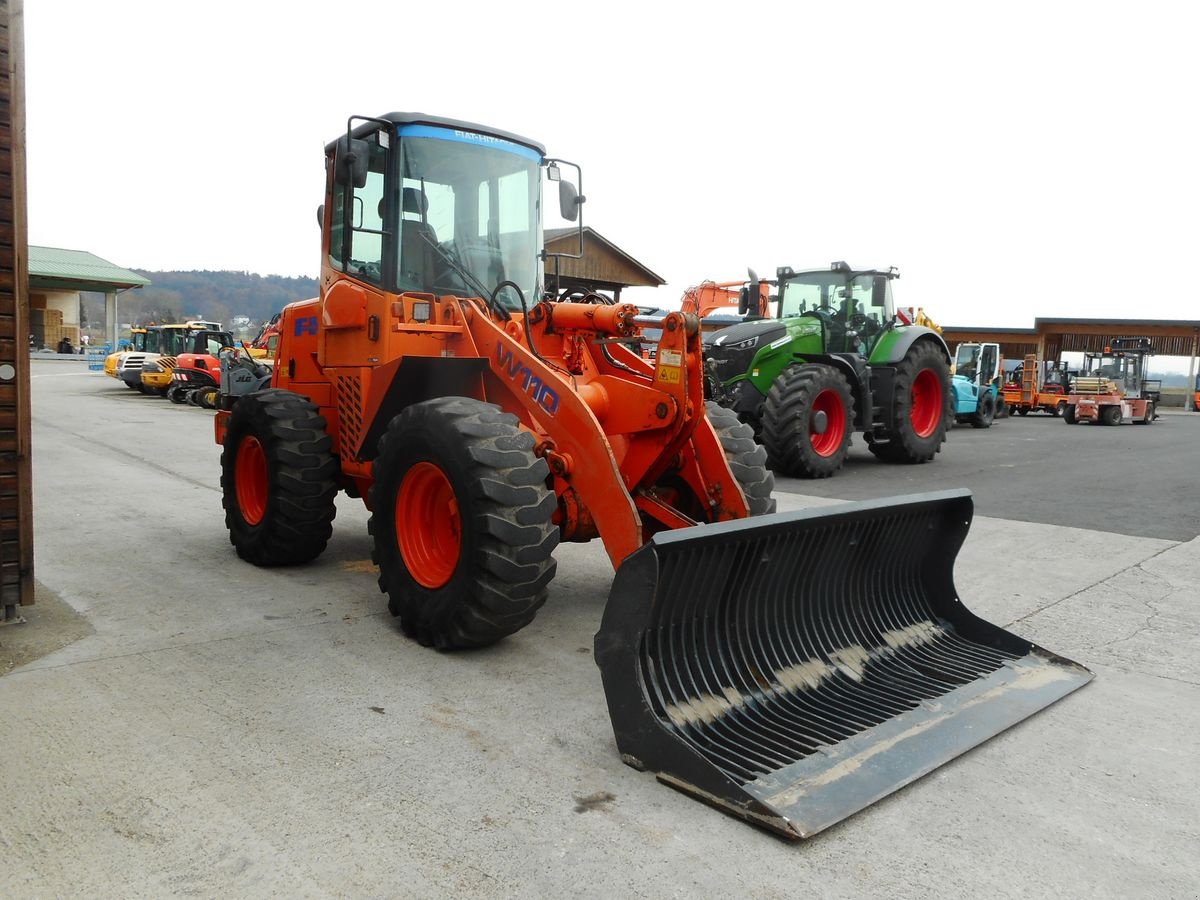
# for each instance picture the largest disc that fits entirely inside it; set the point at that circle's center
(808, 419)
(924, 406)
(277, 479)
(747, 458)
(461, 523)
(1110, 415)
(1068, 415)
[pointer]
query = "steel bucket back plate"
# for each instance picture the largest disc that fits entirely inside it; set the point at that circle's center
(795, 668)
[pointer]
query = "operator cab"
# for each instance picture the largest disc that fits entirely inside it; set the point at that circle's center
(855, 307)
(429, 205)
(1123, 363)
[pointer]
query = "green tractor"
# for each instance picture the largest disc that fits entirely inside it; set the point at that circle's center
(836, 359)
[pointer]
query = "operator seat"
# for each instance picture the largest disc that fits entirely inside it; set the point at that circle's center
(418, 260)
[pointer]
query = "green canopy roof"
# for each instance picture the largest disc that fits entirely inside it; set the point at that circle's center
(51, 268)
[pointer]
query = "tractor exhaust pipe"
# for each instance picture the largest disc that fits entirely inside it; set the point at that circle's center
(793, 669)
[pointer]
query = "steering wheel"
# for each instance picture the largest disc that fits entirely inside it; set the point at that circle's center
(863, 324)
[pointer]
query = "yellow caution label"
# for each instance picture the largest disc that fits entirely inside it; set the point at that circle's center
(669, 374)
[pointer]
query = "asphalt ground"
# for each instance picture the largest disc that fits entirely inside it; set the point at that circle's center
(221, 730)
(1141, 480)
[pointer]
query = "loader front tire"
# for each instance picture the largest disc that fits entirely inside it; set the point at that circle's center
(461, 523)
(808, 419)
(746, 457)
(923, 407)
(277, 479)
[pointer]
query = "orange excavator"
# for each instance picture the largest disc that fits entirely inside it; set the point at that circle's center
(714, 297)
(764, 663)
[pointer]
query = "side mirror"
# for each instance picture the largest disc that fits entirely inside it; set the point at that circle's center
(568, 201)
(351, 159)
(879, 291)
(321, 215)
(744, 300)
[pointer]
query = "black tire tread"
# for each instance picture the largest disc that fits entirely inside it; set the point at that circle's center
(303, 486)
(903, 446)
(509, 509)
(746, 457)
(785, 426)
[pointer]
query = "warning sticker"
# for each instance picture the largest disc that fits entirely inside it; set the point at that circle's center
(670, 358)
(670, 376)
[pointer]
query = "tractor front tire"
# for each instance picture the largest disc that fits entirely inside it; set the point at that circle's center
(985, 412)
(746, 457)
(808, 419)
(461, 523)
(924, 407)
(277, 479)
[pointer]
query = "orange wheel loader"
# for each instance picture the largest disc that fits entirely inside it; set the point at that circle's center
(766, 664)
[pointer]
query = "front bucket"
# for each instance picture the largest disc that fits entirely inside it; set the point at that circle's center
(795, 668)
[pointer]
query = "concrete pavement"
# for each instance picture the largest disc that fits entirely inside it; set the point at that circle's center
(234, 731)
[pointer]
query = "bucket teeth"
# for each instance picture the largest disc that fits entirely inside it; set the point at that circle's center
(792, 669)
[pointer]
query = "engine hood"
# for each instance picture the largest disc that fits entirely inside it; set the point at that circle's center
(765, 330)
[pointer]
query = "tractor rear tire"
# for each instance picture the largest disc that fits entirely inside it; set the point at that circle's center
(924, 407)
(277, 479)
(461, 523)
(1068, 415)
(808, 419)
(747, 458)
(985, 412)
(176, 394)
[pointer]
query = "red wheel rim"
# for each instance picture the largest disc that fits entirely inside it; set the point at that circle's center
(926, 403)
(830, 403)
(250, 480)
(428, 527)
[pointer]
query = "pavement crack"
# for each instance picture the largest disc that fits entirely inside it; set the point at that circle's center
(1083, 590)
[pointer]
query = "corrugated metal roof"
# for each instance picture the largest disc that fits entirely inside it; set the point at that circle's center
(54, 265)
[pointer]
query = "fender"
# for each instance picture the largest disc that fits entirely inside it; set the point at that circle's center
(896, 342)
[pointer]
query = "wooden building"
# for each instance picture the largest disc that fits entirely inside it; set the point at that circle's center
(603, 266)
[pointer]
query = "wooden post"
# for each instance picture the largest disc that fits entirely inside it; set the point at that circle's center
(16, 476)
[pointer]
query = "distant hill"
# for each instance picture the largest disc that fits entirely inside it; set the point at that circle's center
(218, 296)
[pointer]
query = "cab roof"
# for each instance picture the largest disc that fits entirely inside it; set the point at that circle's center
(412, 118)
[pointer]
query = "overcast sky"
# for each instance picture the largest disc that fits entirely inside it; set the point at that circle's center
(1010, 159)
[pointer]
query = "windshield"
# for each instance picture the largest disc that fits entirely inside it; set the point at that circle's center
(855, 307)
(470, 210)
(966, 361)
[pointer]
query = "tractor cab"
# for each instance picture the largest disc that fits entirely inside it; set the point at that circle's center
(420, 204)
(855, 308)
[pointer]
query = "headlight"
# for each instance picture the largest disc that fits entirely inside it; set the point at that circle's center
(740, 345)
(152, 366)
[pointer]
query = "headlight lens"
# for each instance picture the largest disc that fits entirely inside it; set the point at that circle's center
(747, 344)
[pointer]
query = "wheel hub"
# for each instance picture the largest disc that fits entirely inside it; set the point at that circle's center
(428, 525)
